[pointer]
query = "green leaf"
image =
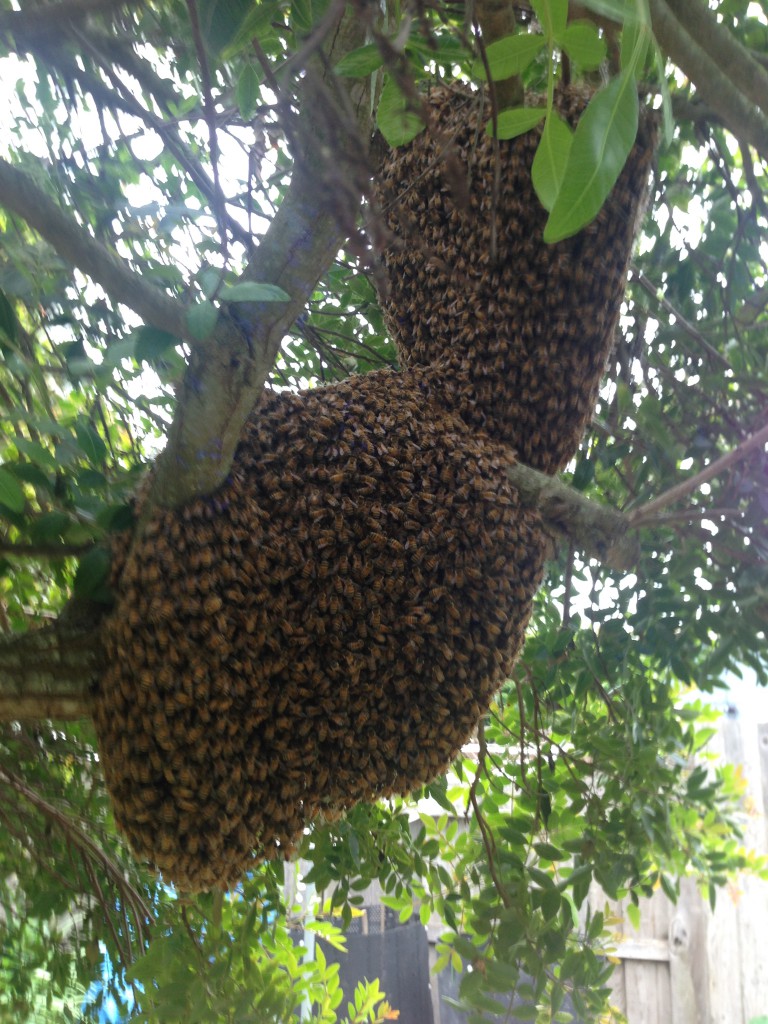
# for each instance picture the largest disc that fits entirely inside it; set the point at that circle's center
(551, 159)
(7, 318)
(117, 351)
(301, 15)
(247, 91)
(253, 291)
(50, 526)
(552, 15)
(636, 37)
(516, 121)
(36, 453)
(542, 879)
(633, 913)
(201, 320)
(92, 575)
(89, 441)
(583, 44)
(151, 342)
(549, 852)
(550, 904)
(396, 122)
(508, 56)
(11, 493)
(220, 21)
(613, 10)
(601, 143)
(32, 474)
(360, 62)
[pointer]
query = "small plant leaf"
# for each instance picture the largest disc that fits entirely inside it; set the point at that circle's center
(151, 343)
(584, 45)
(516, 121)
(508, 56)
(397, 123)
(552, 15)
(89, 441)
(7, 318)
(551, 159)
(253, 291)
(11, 493)
(247, 91)
(201, 320)
(360, 62)
(601, 144)
(92, 575)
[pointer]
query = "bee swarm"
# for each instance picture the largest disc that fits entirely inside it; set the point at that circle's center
(330, 625)
(326, 628)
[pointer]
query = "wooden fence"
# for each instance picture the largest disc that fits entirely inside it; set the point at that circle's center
(687, 964)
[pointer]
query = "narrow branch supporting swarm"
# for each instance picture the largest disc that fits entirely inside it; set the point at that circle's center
(599, 532)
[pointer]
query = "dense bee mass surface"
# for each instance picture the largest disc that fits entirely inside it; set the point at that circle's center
(519, 342)
(326, 628)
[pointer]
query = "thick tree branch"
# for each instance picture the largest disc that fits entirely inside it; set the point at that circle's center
(723, 48)
(20, 195)
(49, 672)
(713, 83)
(46, 21)
(226, 373)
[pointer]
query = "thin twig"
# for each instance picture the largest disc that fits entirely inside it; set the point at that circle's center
(690, 329)
(647, 513)
(44, 550)
(487, 836)
(209, 108)
(80, 838)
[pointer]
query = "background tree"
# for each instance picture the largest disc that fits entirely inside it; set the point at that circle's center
(183, 188)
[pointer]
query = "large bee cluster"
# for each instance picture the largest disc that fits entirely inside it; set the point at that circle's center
(518, 331)
(326, 628)
(330, 625)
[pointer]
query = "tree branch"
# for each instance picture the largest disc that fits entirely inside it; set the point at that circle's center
(723, 48)
(20, 195)
(715, 85)
(226, 373)
(649, 513)
(36, 23)
(599, 532)
(49, 672)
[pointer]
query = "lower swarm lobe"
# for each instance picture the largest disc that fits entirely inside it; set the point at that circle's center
(326, 628)
(331, 624)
